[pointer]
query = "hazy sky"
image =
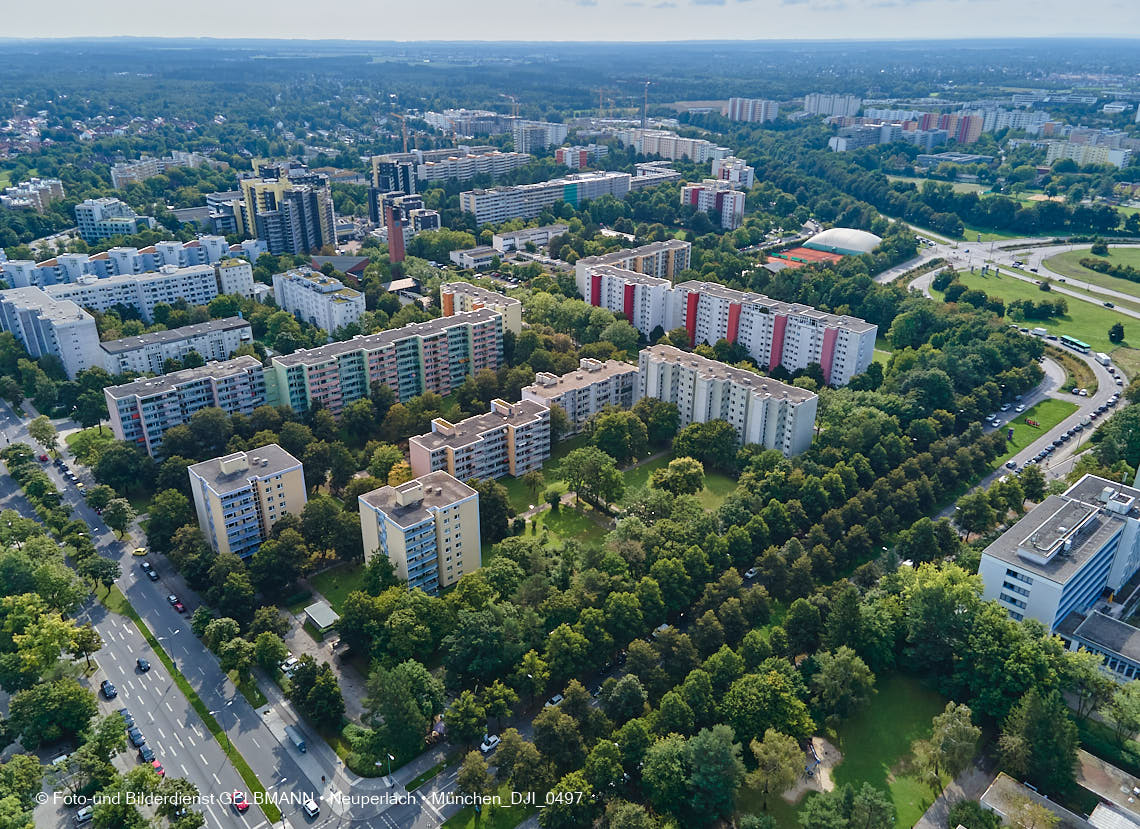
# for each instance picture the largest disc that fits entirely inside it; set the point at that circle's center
(573, 19)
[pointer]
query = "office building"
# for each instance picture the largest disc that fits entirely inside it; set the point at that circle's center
(818, 103)
(463, 297)
(663, 260)
(289, 208)
(752, 109)
(477, 258)
(671, 146)
(99, 219)
(585, 392)
(197, 285)
(428, 528)
(318, 299)
(48, 326)
(760, 409)
(437, 355)
(508, 240)
(147, 353)
(511, 439)
(535, 136)
(716, 195)
(577, 157)
(239, 497)
(133, 172)
(1084, 154)
(526, 201)
(35, 194)
(143, 410)
(735, 171)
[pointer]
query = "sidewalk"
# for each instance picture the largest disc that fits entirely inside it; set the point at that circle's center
(969, 785)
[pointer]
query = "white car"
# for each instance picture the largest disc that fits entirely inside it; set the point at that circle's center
(311, 808)
(1005, 407)
(290, 665)
(490, 743)
(1019, 408)
(1083, 393)
(751, 573)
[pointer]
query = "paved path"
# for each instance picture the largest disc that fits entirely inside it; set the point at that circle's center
(969, 785)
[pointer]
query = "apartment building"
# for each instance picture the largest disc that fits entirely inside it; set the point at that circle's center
(774, 333)
(509, 240)
(437, 355)
(99, 219)
(476, 258)
(405, 171)
(715, 194)
(579, 156)
(735, 171)
(463, 297)
(819, 103)
(651, 173)
(753, 110)
(317, 299)
(428, 528)
(141, 411)
(1084, 154)
(131, 172)
(761, 410)
(535, 136)
(526, 201)
(48, 326)
(511, 439)
(147, 353)
(663, 260)
(289, 208)
(585, 392)
(35, 194)
(670, 145)
(239, 497)
(197, 284)
(641, 298)
(469, 122)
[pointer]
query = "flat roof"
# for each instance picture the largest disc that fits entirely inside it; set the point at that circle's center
(628, 253)
(256, 463)
(478, 250)
(312, 356)
(714, 369)
(439, 489)
(1005, 794)
(1110, 634)
(580, 378)
(173, 335)
(776, 305)
(146, 386)
(636, 277)
(58, 310)
(467, 431)
(322, 615)
(478, 292)
(1109, 783)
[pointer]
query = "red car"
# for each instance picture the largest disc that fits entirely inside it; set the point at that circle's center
(43, 458)
(176, 603)
(239, 802)
(159, 770)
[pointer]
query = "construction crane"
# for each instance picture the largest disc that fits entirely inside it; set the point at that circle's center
(403, 128)
(645, 107)
(514, 104)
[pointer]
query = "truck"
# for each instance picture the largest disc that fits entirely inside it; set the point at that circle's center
(297, 738)
(1040, 332)
(1103, 358)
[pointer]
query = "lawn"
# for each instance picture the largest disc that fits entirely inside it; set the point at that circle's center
(717, 486)
(881, 357)
(1085, 321)
(87, 444)
(1069, 264)
(1048, 413)
(1077, 371)
(520, 497)
(1127, 360)
(337, 582)
(957, 186)
(493, 817)
(581, 523)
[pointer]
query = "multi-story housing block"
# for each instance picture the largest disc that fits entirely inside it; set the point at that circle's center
(640, 298)
(652, 173)
(526, 201)
(463, 297)
(670, 145)
(143, 410)
(1084, 154)
(735, 171)
(103, 218)
(533, 136)
(818, 103)
(428, 528)
(578, 156)
(663, 260)
(36, 194)
(197, 285)
(715, 194)
(437, 355)
(290, 209)
(146, 353)
(511, 439)
(761, 410)
(509, 240)
(48, 326)
(585, 392)
(239, 497)
(130, 172)
(752, 109)
(403, 171)
(318, 299)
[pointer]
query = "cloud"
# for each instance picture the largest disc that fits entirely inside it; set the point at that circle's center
(634, 4)
(585, 2)
(708, 2)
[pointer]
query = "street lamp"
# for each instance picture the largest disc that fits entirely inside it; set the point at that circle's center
(219, 713)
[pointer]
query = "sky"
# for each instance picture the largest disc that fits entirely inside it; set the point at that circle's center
(574, 20)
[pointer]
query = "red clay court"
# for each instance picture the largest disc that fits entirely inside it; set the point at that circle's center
(806, 256)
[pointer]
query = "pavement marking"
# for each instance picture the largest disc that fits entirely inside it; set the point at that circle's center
(160, 733)
(254, 741)
(179, 739)
(216, 780)
(431, 806)
(210, 809)
(172, 752)
(168, 708)
(184, 772)
(263, 823)
(189, 739)
(204, 763)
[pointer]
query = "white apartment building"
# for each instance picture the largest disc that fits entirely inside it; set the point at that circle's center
(462, 297)
(819, 103)
(526, 201)
(585, 392)
(509, 240)
(534, 136)
(402, 171)
(579, 156)
(752, 109)
(714, 194)
(130, 172)
(146, 353)
(511, 439)
(735, 171)
(661, 259)
(36, 194)
(761, 410)
(670, 145)
(652, 173)
(318, 299)
(1084, 154)
(641, 298)
(197, 285)
(235, 276)
(106, 217)
(49, 326)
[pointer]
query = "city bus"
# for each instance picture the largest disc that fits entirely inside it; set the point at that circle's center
(1075, 344)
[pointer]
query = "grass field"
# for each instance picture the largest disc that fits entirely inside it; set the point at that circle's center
(1077, 371)
(337, 582)
(1128, 361)
(1069, 264)
(1048, 413)
(958, 186)
(87, 444)
(580, 523)
(881, 357)
(493, 817)
(1085, 321)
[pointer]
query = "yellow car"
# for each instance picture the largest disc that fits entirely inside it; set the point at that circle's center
(139, 551)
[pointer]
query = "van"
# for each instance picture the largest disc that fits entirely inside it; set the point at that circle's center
(84, 815)
(311, 808)
(297, 738)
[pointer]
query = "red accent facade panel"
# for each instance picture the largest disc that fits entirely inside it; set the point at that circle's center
(733, 321)
(827, 356)
(691, 303)
(628, 307)
(779, 324)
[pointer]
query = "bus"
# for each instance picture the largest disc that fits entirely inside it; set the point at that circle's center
(1075, 344)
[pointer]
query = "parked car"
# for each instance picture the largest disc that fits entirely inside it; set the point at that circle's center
(43, 458)
(490, 743)
(1011, 464)
(751, 573)
(158, 768)
(108, 689)
(139, 551)
(1109, 305)
(312, 810)
(553, 701)
(146, 754)
(127, 718)
(290, 665)
(176, 603)
(148, 568)
(84, 815)
(1019, 408)
(136, 737)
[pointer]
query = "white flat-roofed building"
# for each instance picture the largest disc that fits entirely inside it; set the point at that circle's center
(820, 103)
(526, 201)
(235, 276)
(578, 156)
(735, 171)
(752, 109)
(715, 194)
(196, 284)
(652, 173)
(36, 194)
(641, 299)
(511, 439)
(661, 259)
(508, 240)
(670, 145)
(146, 353)
(533, 136)
(428, 528)
(103, 218)
(131, 172)
(239, 497)
(761, 410)
(48, 326)
(463, 297)
(141, 411)
(318, 299)
(475, 258)
(586, 391)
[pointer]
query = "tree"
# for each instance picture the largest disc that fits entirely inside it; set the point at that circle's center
(400, 473)
(474, 779)
(466, 719)
(498, 700)
(803, 626)
(683, 476)
(277, 563)
(779, 763)
(592, 473)
(603, 767)
(50, 711)
(167, 513)
(494, 510)
(621, 814)
(972, 815)
(661, 419)
(1026, 814)
(43, 432)
(99, 496)
(1088, 683)
(558, 738)
(713, 443)
(91, 409)
(951, 746)
(665, 774)
(844, 807)
(122, 466)
(85, 641)
(236, 654)
(571, 805)
(975, 514)
(1032, 483)
(1116, 333)
(620, 434)
(384, 457)
(99, 570)
(716, 773)
(534, 481)
(269, 650)
(1039, 740)
(118, 515)
(756, 702)
(623, 699)
(1123, 711)
(843, 683)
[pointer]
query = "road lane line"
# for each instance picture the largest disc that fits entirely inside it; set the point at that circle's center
(210, 809)
(204, 763)
(179, 739)
(168, 708)
(216, 780)
(160, 733)
(184, 772)
(254, 741)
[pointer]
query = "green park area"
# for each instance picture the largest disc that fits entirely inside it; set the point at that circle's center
(337, 582)
(87, 444)
(492, 817)
(1085, 321)
(1068, 264)
(957, 186)
(1046, 414)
